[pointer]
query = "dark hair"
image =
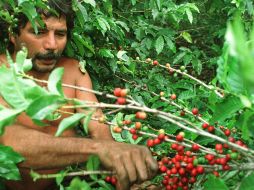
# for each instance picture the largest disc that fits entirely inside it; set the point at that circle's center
(55, 8)
(58, 8)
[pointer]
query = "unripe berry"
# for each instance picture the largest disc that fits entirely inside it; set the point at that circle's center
(117, 129)
(148, 60)
(182, 113)
(195, 111)
(102, 119)
(162, 94)
(138, 125)
(124, 92)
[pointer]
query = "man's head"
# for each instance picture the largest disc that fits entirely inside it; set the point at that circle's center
(45, 47)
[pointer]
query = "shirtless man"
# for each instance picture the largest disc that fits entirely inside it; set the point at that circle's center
(48, 154)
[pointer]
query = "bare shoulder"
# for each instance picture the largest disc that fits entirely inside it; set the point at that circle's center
(72, 66)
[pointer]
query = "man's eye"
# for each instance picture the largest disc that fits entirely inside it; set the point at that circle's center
(61, 34)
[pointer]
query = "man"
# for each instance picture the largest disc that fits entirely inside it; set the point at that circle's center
(42, 151)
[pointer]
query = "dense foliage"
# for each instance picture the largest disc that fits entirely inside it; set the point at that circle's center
(211, 40)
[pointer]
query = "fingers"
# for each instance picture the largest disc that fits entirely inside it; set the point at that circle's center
(140, 165)
(122, 176)
(151, 163)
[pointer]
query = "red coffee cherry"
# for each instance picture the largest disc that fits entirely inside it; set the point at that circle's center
(150, 143)
(108, 179)
(179, 138)
(173, 97)
(117, 92)
(124, 92)
(113, 180)
(141, 115)
(211, 129)
(195, 111)
(227, 132)
(121, 100)
(205, 125)
(155, 62)
(195, 147)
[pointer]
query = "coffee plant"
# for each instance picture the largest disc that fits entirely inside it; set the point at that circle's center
(175, 76)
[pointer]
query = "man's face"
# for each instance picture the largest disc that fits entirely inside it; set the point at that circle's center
(46, 47)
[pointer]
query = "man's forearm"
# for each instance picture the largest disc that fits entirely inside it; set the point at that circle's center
(44, 151)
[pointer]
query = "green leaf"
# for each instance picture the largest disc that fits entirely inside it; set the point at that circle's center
(7, 153)
(10, 89)
(20, 59)
(226, 108)
(43, 106)
(122, 55)
(77, 184)
(106, 53)
(189, 14)
(214, 183)
(159, 44)
(247, 183)
(91, 2)
(93, 164)
(9, 170)
(104, 185)
(55, 81)
(7, 117)
(69, 122)
(187, 36)
(87, 120)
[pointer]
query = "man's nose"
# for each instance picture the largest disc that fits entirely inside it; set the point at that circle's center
(50, 42)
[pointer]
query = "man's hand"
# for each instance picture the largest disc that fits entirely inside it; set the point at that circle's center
(132, 163)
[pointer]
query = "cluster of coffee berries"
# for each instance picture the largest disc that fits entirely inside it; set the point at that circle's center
(111, 179)
(180, 171)
(121, 94)
(209, 128)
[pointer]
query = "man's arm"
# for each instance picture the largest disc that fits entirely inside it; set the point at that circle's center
(96, 129)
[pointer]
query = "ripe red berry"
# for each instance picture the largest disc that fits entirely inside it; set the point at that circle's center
(141, 115)
(179, 137)
(195, 147)
(210, 129)
(133, 131)
(195, 111)
(150, 143)
(117, 92)
(218, 147)
(209, 157)
(108, 179)
(163, 169)
(182, 113)
(121, 100)
(205, 125)
(156, 141)
(173, 97)
(200, 169)
(216, 173)
(113, 180)
(155, 62)
(174, 146)
(134, 136)
(227, 132)
(161, 136)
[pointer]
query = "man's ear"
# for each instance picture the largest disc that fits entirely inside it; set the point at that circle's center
(12, 38)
